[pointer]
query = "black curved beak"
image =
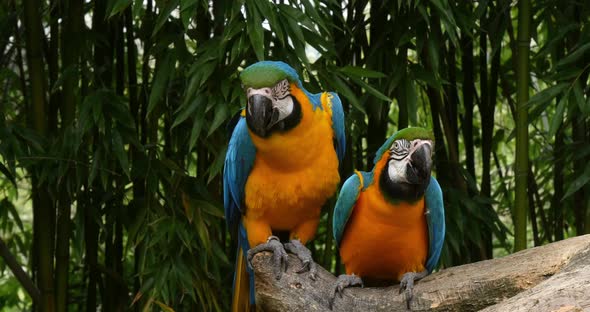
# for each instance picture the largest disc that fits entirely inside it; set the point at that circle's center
(259, 114)
(418, 171)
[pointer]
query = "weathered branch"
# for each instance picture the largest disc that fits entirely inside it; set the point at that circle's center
(542, 278)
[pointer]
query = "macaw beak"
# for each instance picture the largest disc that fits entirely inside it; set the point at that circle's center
(259, 114)
(420, 165)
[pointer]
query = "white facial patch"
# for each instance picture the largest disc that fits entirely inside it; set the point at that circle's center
(400, 154)
(282, 101)
(396, 169)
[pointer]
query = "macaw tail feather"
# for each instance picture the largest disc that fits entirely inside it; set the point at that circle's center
(244, 294)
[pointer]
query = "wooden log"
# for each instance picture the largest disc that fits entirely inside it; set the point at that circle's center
(547, 278)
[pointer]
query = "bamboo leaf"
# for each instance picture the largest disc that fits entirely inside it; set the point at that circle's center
(163, 306)
(118, 6)
(370, 89)
(209, 208)
(255, 30)
(163, 75)
(221, 115)
(96, 162)
(196, 130)
(187, 111)
(361, 72)
(422, 74)
(15, 216)
(578, 183)
(558, 117)
(164, 14)
(410, 101)
(343, 89)
(267, 10)
(548, 94)
(574, 56)
(217, 164)
(187, 10)
(120, 153)
(579, 96)
(8, 175)
(433, 56)
(312, 11)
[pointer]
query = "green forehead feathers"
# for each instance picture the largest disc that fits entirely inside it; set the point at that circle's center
(267, 74)
(413, 134)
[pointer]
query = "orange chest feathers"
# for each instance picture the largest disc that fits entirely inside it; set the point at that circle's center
(384, 240)
(294, 172)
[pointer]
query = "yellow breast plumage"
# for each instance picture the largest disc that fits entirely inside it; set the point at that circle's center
(294, 173)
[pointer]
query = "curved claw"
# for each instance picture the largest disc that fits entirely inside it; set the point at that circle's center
(307, 264)
(407, 285)
(311, 267)
(280, 257)
(343, 282)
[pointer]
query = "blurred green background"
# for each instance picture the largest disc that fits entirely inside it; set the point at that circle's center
(113, 120)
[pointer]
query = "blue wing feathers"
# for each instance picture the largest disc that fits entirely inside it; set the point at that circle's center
(238, 163)
(436, 223)
(338, 125)
(344, 206)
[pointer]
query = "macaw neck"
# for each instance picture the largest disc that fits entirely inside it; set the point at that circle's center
(394, 212)
(395, 192)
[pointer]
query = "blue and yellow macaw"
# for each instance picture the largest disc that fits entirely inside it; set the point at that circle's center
(389, 223)
(281, 167)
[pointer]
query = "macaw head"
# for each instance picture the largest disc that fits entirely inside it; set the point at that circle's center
(271, 107)
(408, 161)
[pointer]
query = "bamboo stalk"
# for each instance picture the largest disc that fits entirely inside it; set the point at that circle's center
(522, 97)
(43, 208)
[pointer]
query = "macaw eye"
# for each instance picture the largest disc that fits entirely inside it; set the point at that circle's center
(281, 90)
(399, 149)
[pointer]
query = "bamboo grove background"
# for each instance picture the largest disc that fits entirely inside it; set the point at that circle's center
(113, 119)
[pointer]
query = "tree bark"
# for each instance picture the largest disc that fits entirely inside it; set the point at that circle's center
(538, 279)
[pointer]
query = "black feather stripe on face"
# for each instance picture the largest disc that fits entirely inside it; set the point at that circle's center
(396, 192)
(281, 90)
(399, 149)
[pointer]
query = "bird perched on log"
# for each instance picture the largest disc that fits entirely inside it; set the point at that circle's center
(389, 223)
(281, 167)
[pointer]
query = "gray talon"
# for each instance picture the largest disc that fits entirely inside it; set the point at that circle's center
(279, 257)
(343, 282)
(307, 264)
(407, 285)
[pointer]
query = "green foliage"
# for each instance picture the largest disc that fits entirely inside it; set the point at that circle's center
(156, 84)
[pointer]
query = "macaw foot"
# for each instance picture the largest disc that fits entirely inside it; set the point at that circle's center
(407, 284)
(279, 257)
(342, 282)
(295, 246)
